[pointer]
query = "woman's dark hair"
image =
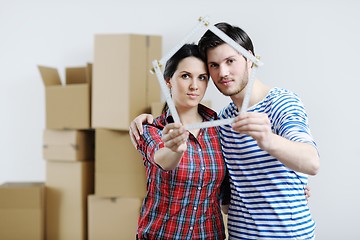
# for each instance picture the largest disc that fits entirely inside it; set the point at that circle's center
(187, 50)
(210, 40)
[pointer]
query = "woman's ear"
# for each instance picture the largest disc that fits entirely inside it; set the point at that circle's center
(168, 84)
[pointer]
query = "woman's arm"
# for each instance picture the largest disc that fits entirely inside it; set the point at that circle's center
(174, 136)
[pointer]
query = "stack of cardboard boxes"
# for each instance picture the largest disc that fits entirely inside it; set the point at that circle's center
(22, 211)
(95, 179)
(68, 148)
(122, 88)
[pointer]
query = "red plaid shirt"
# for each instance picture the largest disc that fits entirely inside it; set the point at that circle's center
(183, 203)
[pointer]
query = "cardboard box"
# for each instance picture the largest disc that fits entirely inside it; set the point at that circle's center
(22, 210)
(123, 86)
(69, 145)
(156, 108)
(67, 106)
(113, 217)
(119, 168)
(67, 186)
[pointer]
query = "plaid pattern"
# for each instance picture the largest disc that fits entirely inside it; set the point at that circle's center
(183, 203)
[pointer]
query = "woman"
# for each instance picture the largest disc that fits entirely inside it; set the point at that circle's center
(185, 169)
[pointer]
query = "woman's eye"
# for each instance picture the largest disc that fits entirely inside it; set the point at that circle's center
(185, 76)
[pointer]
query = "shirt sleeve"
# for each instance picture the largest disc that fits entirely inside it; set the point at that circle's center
(290, 119)
(149, 143)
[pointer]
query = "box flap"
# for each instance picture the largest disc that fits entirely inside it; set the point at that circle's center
(89, 67)
(76, 75)
(50, 76)
(60, 137)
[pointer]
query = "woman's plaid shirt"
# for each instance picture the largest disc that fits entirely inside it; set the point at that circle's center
(183, 203)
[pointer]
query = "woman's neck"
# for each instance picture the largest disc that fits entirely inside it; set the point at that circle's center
(189, 116)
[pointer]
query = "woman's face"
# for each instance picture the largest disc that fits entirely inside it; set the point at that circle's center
(189, 83)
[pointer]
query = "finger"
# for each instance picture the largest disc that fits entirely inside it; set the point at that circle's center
(140, 120)
(133, 131)
(180, 138)
(139, 127)
(254, 120)
(171, 127)
(133, 140)
(150, 118)
(175, 143)
(174, 136)
(172, 131)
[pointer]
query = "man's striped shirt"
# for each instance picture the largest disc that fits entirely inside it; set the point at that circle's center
(267, 198)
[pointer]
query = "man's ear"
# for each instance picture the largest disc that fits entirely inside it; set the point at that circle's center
(249, 62)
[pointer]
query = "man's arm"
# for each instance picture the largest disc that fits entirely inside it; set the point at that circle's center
(136, 127)
(301, 157)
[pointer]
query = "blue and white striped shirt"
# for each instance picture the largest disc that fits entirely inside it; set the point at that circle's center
(267, 198)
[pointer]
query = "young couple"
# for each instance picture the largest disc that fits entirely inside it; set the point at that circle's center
(266, 153)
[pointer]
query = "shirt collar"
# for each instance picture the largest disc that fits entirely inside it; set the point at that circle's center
(207, 114)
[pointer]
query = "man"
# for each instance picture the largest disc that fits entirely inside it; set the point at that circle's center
(269, 150)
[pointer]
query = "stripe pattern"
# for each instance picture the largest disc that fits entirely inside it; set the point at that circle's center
(267, 198)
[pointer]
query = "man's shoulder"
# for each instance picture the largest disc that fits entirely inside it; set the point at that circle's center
(281, 94)
(229, 111)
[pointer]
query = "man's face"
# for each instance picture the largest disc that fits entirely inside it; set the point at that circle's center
(228, 69)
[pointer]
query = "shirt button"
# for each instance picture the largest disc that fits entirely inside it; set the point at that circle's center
(199, 150)
(199, 188)
(195, 208)
(203, 168)
(191, 228)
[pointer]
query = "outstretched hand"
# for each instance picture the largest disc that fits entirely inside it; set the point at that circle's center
(255, 124)
(174, 136)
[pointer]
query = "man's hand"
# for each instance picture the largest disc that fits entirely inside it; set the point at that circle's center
(307, 192)
(257, 125)
(136, 127)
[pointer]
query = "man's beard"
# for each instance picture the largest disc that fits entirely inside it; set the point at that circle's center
(235, 91)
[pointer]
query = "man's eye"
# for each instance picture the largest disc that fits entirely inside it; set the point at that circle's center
(231, 60)
(203, 77)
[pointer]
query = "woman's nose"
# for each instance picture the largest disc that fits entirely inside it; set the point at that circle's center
(194, 85)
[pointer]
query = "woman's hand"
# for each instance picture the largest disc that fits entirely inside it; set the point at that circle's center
(174, 136)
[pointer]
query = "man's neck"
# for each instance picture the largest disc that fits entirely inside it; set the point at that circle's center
(259, 91)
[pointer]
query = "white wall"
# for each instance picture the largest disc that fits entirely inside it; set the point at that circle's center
(310, 47)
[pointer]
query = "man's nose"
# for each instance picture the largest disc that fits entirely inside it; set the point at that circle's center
(223, 71)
